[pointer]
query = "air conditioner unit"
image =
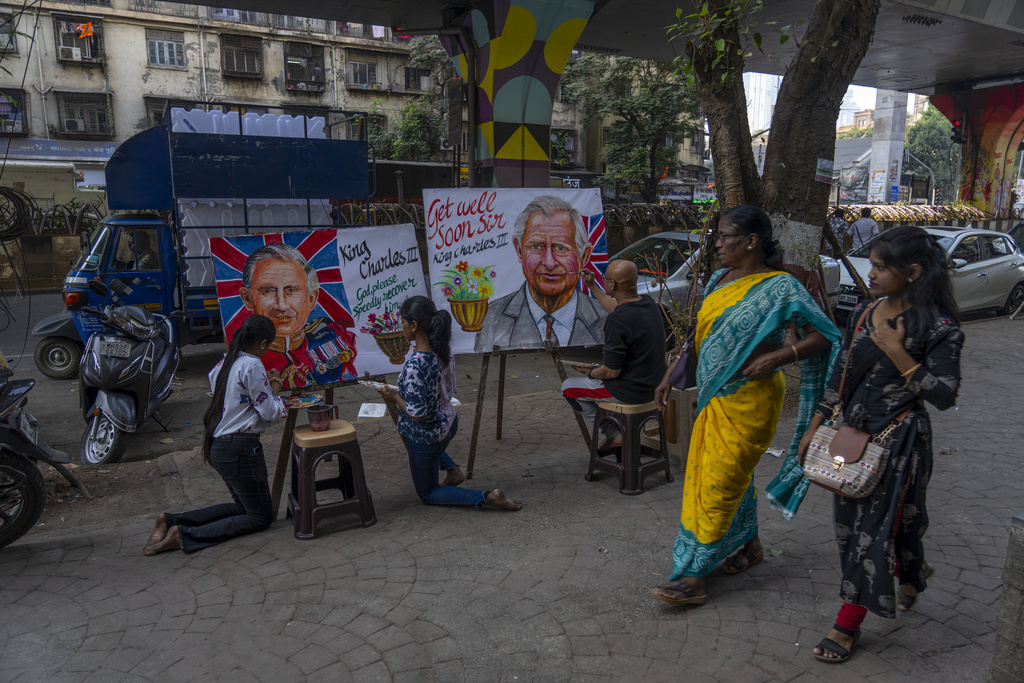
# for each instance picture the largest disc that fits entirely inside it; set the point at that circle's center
(74, 126)
(71, 54)
(445, 144)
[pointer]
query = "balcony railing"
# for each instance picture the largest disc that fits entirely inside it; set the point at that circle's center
(173, 9)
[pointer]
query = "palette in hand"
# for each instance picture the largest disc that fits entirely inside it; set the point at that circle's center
(377, 385)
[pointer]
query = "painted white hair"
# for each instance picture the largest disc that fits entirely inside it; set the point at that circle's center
(549, 205)
(280, 252)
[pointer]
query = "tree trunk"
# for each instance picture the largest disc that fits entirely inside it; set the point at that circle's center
(804, 122)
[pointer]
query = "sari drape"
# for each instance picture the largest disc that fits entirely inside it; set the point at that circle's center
(737, 416)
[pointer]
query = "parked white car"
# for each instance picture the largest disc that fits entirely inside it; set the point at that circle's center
(986, 269)
(668, 258)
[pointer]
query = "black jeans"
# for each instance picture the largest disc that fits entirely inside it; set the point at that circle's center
(238, 458)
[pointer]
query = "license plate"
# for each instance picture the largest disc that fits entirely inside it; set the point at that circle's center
(849, 298)
(117, 349)
(29, 427)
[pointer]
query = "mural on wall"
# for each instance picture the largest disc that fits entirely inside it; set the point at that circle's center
(332, 295)
(508, 265)
(522, 49)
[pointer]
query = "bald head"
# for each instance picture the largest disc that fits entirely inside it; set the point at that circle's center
(623, 274)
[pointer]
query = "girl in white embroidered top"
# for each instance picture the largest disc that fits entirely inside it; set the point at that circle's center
(244, 402)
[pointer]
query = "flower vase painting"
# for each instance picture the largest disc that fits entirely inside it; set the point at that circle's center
(386, 330)
(467, 288)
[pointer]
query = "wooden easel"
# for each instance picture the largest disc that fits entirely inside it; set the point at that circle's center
(482, 391)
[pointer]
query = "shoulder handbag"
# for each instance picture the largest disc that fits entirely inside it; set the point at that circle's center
(684, 375)
(845, 460)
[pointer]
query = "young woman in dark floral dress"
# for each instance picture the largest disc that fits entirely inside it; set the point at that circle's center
(904, 354)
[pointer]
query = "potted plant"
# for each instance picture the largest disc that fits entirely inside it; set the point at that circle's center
(386, 330)
(468, 289)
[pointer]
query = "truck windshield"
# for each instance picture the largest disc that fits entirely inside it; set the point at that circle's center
(92, 254)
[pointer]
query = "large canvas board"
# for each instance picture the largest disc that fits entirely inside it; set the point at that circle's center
(507, 264)
(333, 296)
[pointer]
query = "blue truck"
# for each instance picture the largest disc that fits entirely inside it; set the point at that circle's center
(203, 173)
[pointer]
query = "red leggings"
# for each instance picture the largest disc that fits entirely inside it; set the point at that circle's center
(851, 616)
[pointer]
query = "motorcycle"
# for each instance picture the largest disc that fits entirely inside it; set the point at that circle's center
(22, 487)
(124, 377)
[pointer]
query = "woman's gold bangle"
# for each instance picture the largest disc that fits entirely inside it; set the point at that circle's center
(908, 373)
(796, 356)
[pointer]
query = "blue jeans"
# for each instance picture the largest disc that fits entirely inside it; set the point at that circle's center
(238, 458)
(424, 461)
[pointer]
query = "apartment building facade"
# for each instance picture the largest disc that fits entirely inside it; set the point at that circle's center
(78, 78)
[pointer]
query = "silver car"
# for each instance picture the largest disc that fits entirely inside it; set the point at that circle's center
(666, 262)
(986, 269)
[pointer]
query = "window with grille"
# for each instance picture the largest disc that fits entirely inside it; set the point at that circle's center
(236, 15)
(8, 39)
(79, 39)
(156, 109)
(362, 73)
(361, 126)
(85, 114)
(12, 112)
(166, 48)
(304, 67)
(417, 79)
(242, 56)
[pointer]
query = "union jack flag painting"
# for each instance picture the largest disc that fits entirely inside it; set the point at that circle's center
(320, 250)
(599, 250)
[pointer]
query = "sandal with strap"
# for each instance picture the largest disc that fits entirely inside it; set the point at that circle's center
(829, 645)
(752, 559)
(687, 594)
(907, 601)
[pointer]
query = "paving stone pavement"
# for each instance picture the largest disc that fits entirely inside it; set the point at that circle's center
(556, 592)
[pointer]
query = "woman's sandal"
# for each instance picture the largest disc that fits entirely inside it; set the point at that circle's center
(829, 645)
(687, 594)
(736, 567)
(906, 601)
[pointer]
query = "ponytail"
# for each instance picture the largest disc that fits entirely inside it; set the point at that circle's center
(255, 329)
(437, 324)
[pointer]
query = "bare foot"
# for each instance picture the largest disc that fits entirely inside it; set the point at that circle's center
(454, 477)
(498, 499)
(169, 542)
(159, 531)
(838, 638)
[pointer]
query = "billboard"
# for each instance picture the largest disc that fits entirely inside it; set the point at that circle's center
(507, 263)
(333, 296)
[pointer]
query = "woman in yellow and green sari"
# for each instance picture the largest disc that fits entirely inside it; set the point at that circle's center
(740, 387)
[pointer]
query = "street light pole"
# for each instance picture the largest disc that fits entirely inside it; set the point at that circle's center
(932, 198)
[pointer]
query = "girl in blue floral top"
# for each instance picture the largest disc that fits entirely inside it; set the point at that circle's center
(427, 418)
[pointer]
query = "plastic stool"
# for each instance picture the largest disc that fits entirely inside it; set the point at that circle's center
(630, 418)
(309, 449)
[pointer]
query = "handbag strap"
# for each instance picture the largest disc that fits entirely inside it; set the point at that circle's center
(849, 352)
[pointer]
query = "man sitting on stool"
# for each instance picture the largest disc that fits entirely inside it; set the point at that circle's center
(634, 350)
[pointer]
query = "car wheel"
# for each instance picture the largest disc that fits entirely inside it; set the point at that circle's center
(1015, 299)
(58, 357)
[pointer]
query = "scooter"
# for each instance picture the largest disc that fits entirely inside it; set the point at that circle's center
(124, 377)
(22, 487)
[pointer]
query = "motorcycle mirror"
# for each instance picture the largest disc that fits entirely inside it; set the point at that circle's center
(177, 315)
(99, 287)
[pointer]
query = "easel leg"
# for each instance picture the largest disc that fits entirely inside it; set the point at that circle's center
(282, 460)
(553, 350)
(501, 395)
(478, 414)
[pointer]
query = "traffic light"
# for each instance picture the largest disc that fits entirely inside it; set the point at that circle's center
(957, 133)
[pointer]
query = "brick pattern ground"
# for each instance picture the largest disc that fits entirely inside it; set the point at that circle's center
(556, 592)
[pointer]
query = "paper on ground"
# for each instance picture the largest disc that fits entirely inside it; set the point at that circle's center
(372, 410)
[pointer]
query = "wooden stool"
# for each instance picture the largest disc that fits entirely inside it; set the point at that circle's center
(630, 418)
(309, 449)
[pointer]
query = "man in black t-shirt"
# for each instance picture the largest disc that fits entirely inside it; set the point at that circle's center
(634, 350)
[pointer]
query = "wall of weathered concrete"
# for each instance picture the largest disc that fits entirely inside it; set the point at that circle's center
(1008, 655)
